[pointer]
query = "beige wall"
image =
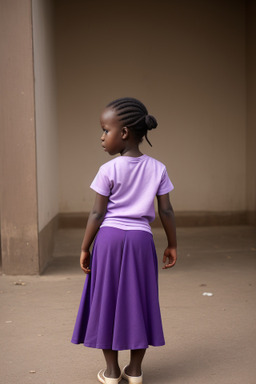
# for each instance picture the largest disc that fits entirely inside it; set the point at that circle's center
(192, 63)
(19, 220)
(29, 160)
(186, 61)
(251, 110)
(45, 110)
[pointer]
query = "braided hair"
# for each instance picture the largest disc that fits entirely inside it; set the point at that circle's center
(134, 115)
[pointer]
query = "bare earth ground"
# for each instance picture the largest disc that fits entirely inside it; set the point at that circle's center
(209, 339)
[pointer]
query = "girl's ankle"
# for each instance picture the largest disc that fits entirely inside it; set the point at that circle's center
(112, 373)
(132, 371)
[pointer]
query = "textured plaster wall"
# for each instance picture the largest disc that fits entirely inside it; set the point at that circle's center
(186, 61)
(251, 109)
(19, 220)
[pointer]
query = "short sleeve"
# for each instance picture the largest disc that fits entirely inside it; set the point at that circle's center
(166, 185)
(101, 183)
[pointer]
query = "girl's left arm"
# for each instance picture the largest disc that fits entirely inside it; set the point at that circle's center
(167, 217)
(95, 219)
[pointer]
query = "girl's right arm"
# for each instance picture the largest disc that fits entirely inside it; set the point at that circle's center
(166, 215)
(95, 219)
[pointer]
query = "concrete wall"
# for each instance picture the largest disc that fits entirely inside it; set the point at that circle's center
(192, 63)
(186, 61)
(46, 125)
(46, 119)
(19, 221)
(251, 111)
(29, 149)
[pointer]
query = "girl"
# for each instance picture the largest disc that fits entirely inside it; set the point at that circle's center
(119, 307)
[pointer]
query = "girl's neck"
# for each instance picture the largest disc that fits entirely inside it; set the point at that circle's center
(132, 152)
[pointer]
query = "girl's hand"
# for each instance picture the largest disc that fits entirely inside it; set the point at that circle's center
(85, 261)
(171, 255)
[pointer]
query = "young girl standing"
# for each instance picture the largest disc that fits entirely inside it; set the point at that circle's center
(119, 307)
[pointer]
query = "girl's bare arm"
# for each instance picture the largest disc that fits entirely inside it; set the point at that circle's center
(95, 219)
(167, 217)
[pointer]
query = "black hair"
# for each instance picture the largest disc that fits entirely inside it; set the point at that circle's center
(134, 115)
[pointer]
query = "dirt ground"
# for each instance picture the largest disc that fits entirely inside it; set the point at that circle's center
(209, 338)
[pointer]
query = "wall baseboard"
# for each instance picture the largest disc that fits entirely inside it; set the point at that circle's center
(251, 217)
(183, 219)
(202, 219)
(73, 220)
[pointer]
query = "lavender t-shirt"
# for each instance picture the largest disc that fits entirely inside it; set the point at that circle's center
(131, 184)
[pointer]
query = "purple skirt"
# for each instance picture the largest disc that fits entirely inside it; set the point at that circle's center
(119, 307)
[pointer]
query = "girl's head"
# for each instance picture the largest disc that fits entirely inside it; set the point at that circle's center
(133, 114)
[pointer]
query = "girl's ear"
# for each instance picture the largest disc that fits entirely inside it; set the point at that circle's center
(124, 133)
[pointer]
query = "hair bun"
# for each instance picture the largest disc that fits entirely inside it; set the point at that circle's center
(151, 122)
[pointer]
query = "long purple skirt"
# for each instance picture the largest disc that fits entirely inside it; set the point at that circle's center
(119, 307)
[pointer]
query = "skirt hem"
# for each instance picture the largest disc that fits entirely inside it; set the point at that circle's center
(121, 348)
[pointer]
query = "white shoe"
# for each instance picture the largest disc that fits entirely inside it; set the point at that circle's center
(107, 380)
(132, 379)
